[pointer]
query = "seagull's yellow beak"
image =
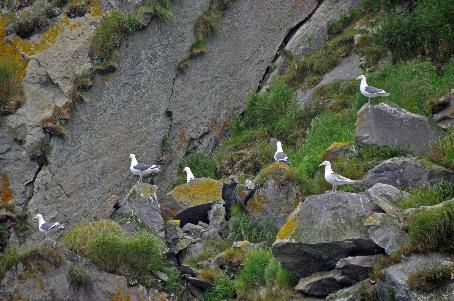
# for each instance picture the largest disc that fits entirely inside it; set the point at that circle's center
(358, 78)
(321, 164)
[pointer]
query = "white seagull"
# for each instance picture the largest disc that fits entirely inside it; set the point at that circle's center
(43, 226)
(140, 169)
(279, 155)
(189, 175)
(334, 178)
(370, 91)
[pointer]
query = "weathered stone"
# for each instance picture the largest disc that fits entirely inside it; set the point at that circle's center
(339, 149)
(394, 285)
(352, 293)
(191, 202)
(322, 283)
(386, 197)
(443, 110)
(322, 230)
(406, 173)
(356, 268)
(216, 217)
(387, 125)
(277, 197)
(107, 207)
(142, 205)
(386, 231)
(24, 282)
(148, 83)
(176, 240)
(193, 230)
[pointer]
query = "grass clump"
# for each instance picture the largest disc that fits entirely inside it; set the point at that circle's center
(10, 90)
(244, 227)
(443, 150)
(223, 289)
(428, 195)
(432, 230)
(383, 262)
(105, 243)
(202, 165)
(427, 30)
(208, 275)
(207, 24)
(261, 269)
(77, 8)
(9, 259)
(198, 48)
(79, 276)
(26, 23)
(430, 279)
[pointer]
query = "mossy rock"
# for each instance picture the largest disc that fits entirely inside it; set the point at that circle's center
(339, 149)
(190, 202)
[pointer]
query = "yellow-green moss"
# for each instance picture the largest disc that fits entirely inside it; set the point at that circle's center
(278, 170)
(96, 9)
(46, 39)
(198, 192)
(9, 53)
(334, 147)
(257, 204)
(289, 227)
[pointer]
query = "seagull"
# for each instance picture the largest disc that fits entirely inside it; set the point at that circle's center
(370, 91)
(279, 155)
(43, 226)
(140, 169)
(189, 175)
(334, 178)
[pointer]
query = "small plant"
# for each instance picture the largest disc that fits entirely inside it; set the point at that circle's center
(428, 280)
(245, 227)
(202, 165)
(53, 126)
(79, 276)
(432, 229)
(8, 260)
(183, 65)
(198, 48)
(208, 275)
(10, 92)
(165, 143)
(77, 8)
(174, 283)
(383, 262)
(207, 24)
(223, 289)
(428, 195)
(443, 150)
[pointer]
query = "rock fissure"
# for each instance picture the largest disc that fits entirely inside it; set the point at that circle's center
(288, 37)
(30, 188)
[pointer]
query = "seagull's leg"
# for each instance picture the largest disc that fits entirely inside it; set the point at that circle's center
(369, 101)
(140, 177)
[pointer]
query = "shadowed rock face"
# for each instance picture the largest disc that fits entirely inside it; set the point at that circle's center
(126, 112)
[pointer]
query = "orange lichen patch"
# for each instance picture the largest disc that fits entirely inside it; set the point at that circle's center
(46, 39)
(257, 204)
(289, 227)
(198, 192)
(5, 193)
(121, 295)
(96, 9)
(181, 137)
(9, 53)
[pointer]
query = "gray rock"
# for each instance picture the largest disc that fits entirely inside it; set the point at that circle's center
(193, 230)
(410, 211)
(406, 173)
(324, 229)
(53, 283)
(216, 217)
(396, 276)
(352, 293)
(126, 109)
(313, 32)
(444, 113)
(386, 231)
(387, 125)
(322, 283)
(107, 208)
(356, 268)
(276, 198)
(142, 203)
(386, 197)
(176, 240)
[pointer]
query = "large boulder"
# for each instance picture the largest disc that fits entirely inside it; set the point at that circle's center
(406, 173)
(322, 283)
(387, 125)
(277, 197)
(394, 283)
(190, 202)
(322, 230)
(45, 274)
(356, 268)
(386, 197)
(356, 292)
(386, 231)
(140, 209)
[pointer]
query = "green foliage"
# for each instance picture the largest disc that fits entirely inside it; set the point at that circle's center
(427, 30)
(383, 262)
(108, 247)
(77, 8)
(432, 229)
(223, 289)
(427, 280)
(79, 276)
(261, 269)
(9, 259)
(25, 24)
(428, 195)
(174, 283)
(59, 3)
(165, 143)
(443, 150)
(10, 90)
(198, 48)
(202, 165)
(245, 227)
(207, 24)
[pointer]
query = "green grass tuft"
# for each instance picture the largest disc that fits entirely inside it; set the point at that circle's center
(79, 276)
(198, 48)
(428, 280)
(244, 227)
(443, 150)
(428, 195)
(223, 289)
(10, 89)
(207, 24)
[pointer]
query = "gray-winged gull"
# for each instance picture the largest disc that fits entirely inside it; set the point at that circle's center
(370, 91)
(334, 178)
(43, 226)
(189, 175)
(140, 169)
(279, 155)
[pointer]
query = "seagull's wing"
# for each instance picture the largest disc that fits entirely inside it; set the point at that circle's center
(141, 166)
(373, 90)
(281, 157)
(48, 226)
(340, 179)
